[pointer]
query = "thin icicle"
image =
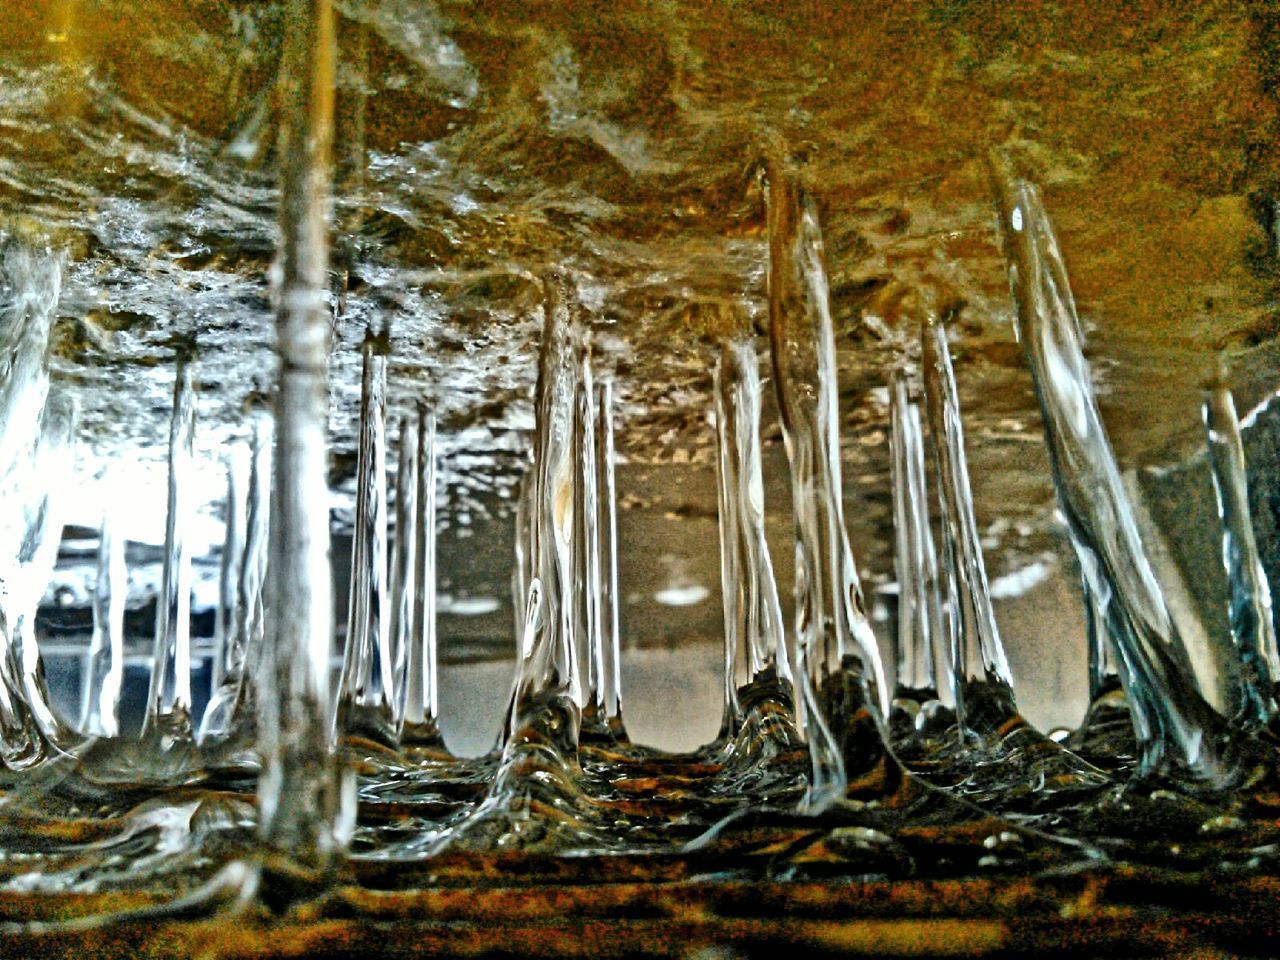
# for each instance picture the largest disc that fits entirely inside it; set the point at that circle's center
(305, 812)
(1176, 729)
(169, 698)
(228, 571)
(607, 501)
(520, 571)
(104, 664)
(981, 676)
(232, 710)
(731, 585)
(920, 643)
(1252, 679)
(421, 715)
(586, 586)
(403, 554)
(366, 707)
(738, 408)
(920, 624)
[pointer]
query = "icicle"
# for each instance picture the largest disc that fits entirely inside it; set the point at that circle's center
(1175, 727)
(228, 572)
(232, 711)
(766, 700)
(169, 698)
(921, 629)
(607, 501)
(304, 808)
(535, 799)
(831, 619)
(520, 572)
(981, 677)
(421, 724)
(548, 669)
(53, 463)
(403, 559)
(1252, 694)
(737, 384)
(32, 282)
(104, 664)
(731, 585)
(586, 586)
(1104, 676)
(365, 696)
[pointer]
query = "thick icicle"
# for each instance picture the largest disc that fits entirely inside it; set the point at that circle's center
(403, 553)
(1178, 733)
(980, 671)
(916, 703)
(607, 503)
(421, 728)
(169, 698)
(303, 807)
(366, 708)
(26, 694)
(32, 282)
(231, 715)
(998, 758)
(104, 664)
(767, 735)
(535, 798)
(831, 618)
(1252, 690)
(549, 668)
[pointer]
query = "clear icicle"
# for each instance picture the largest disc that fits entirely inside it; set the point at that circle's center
(366, 707)
(232, 710)
(169, 698)
(403, 553)
(421, 724)
(1174, 725)
(1252, 690)
(548, 668)
(32, 282)
(731, 586)
(26, 695)
(535, 799)
(607, 502)
(1104, 676)
(759, 614)
(305, 812)
(921, 631)
(228, 572)
(520, 572)
(758, 666)
(586, 586)
(919, 603)
(980, 671)
(104, 664)
(831, 618)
